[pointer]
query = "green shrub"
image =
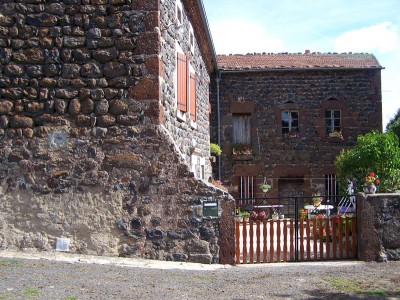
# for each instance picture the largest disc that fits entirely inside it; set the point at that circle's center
(375, 152)
(215, 149)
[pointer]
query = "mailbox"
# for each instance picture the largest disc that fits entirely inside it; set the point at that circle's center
(210, 209)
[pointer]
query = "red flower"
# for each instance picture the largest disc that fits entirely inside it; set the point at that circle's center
(378, 181)
(372, 175)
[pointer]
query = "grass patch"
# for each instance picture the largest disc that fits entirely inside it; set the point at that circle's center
(71, 298)
(31, 292)
(354, 286)
(5, 262)
(7, 297)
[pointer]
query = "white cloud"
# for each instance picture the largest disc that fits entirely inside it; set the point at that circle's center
(382, 37)
(241, 37)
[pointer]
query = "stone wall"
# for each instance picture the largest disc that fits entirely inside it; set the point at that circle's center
(378, 226)
(357, 93)
(85, 153)
(184, 132)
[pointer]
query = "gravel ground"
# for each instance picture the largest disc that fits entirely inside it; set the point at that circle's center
(68, 276)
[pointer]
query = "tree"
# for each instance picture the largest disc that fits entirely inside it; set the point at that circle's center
(375, 152)
(394, 124)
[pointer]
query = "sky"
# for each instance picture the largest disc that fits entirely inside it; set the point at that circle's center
(358, 26)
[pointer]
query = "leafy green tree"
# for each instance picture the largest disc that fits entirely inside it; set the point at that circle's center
(394, 124)
(375, 152)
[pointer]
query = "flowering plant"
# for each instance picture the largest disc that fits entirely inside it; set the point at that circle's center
(242, 149)
(336, 134)
(293, 134)
(258, 216)
(371, 179)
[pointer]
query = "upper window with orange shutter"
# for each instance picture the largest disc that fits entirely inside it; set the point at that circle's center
(193, 96)
(182, 82)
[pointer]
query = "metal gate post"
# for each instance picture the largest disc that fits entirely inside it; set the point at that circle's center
(296, 229)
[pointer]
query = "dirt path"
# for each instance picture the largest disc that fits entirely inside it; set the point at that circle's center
(67, 276)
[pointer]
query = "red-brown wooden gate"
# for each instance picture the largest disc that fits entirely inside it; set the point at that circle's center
(270, 241)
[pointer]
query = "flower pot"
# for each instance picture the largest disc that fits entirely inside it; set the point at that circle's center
(370, 189)
(238, 218)
(265, 190)
(317, 202)
(281, 217)
(275, 217)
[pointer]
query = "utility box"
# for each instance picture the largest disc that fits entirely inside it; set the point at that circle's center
(210, 208)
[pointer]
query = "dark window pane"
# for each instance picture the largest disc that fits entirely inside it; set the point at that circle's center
(328, 114)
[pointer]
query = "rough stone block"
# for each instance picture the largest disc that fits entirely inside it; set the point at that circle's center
(21, 122)
(118, 107)
(145, 89)
(114, 69)
(105, 55)
(106, 121)
(91, 70)
(6, 107)
(40, 20)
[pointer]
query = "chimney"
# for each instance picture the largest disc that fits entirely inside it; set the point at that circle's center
(307, 52)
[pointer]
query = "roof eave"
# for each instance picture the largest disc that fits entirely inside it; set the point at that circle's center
(243, 70)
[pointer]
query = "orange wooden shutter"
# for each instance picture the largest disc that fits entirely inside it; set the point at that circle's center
(182, 82)
(193, 96)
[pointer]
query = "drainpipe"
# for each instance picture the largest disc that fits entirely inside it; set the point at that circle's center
(219, 123)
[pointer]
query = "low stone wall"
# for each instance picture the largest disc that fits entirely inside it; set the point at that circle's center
(378, 226)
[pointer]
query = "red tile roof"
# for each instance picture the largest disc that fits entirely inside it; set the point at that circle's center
(297, 61)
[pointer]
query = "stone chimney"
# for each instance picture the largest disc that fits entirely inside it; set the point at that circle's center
(307, 52)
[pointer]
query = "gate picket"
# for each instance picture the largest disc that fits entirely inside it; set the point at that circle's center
(285, 248)
(269, 241)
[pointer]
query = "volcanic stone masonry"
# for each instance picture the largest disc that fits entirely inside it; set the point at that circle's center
(84, 150)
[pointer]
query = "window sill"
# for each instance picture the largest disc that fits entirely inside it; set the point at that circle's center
(242, 156)
(181, 115)
(332, 139)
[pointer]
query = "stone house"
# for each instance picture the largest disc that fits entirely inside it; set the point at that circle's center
(295, 113)
(104, 129)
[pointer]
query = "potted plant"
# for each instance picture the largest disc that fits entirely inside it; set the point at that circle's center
(265, 187)
(370, 181)
(242, 149)
(317, 199)
(336, 134)
(241, 215)
(275, 215)
(215, 149)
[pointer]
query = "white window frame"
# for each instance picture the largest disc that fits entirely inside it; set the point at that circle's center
(331, 127)
(179, 12)
(289, 128)
(191, 38)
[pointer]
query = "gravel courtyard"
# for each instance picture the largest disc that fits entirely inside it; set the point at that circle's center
(67, 276)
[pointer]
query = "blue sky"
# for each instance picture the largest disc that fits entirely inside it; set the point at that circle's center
(367, 26)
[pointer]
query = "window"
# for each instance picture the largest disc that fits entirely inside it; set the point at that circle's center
(182, 82)
(246, 187)
(241, 127)
(331, 185)
(179, 14)
(192, 96)
(333, 122)
(191, 39)
(290, 122)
